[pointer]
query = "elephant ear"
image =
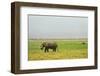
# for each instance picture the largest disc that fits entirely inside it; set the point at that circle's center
(46, 43)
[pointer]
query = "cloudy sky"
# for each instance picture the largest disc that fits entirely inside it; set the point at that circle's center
(57, 27)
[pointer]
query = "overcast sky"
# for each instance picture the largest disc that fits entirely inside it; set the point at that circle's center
(57, 27)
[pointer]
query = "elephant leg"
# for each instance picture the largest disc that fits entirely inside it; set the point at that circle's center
(45, 50)
(54, 49)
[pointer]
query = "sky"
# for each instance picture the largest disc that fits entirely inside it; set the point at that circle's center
(57, 27)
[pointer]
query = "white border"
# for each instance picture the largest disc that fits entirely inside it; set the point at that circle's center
(25, 64)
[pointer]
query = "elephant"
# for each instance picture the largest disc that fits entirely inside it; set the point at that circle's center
(49, 45)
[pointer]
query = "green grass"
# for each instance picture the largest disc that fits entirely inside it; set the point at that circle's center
(67, 49)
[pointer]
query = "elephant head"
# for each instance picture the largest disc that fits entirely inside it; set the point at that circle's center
(43, 45)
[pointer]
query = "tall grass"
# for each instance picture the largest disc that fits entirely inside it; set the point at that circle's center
(67, 49)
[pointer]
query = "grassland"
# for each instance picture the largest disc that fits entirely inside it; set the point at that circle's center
(67, 49)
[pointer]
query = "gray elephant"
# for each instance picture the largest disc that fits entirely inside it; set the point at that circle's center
(49, 45)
